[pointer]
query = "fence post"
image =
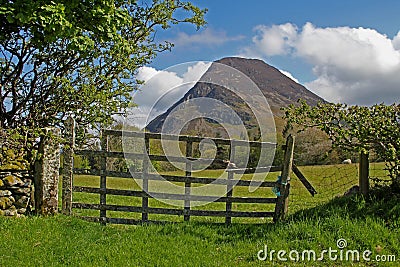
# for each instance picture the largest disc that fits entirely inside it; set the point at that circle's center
(47, 173)
(364, 173)
(68, 166)
(188, 173)
(284, 187)
(145, 179)
(103, 178)
(229, 186)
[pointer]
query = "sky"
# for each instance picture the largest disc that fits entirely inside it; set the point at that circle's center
(344, 51)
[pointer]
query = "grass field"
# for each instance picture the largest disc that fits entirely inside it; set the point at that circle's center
(61, 240)
(372, 223)
(329, 181)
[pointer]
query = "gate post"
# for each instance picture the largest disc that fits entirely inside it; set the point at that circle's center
(284, 186)
(68, 166)
(364, 173)
(47, 173)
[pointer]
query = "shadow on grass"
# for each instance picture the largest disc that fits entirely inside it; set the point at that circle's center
(380, 205)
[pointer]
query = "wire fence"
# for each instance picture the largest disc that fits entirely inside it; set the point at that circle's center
(329, 181)
(334, 180)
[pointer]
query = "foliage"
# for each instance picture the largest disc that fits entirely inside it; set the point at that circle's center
(81, 162)
(16, 148)
(352, 128)
(78, 56)
(313, 147)
(61, 58)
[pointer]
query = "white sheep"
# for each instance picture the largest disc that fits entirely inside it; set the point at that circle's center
(346, 161)
(230, 165)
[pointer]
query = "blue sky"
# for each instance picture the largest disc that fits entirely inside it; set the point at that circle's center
(239, 18)
(345, 51)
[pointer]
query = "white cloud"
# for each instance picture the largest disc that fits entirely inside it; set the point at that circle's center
(352, 65)
(157, 83)
(145, 73)
(357, 50)
(288, 74)
(162, 88)
(396, 41)
(276, 39)
(194, 72)
(206, 37)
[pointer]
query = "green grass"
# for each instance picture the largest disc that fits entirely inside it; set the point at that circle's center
(314, 223)
(60, 241)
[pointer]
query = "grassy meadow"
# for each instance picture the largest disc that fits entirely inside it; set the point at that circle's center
(371, 223)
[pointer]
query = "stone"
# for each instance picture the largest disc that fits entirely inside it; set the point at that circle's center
(21, 211)
(12, 180)
(5, 193)
(47, 173)
(18, 174)
(352, 191)
(20, 182)
(17, 197)
(10, 212)
(5, 203)
(4, 174)
(27, 183)
(22, 202)
(22, 191)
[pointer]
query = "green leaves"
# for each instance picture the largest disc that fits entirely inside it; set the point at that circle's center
(356, 128)
(16, 148)
(61, 58)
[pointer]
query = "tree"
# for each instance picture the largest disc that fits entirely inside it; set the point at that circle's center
(313, 147)
(355, 128)
(78, 57)
(59, 57)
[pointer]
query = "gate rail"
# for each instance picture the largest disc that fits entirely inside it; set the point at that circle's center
(145, 176)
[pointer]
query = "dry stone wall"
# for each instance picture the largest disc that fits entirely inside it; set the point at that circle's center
(16, 193)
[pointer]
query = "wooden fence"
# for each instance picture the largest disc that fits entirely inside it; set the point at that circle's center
(277, 210)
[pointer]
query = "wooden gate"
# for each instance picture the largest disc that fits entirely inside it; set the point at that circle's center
(275, 206)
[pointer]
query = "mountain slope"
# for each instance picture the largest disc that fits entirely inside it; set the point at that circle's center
(278, 89)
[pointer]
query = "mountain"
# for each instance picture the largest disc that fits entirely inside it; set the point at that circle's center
(278, 89)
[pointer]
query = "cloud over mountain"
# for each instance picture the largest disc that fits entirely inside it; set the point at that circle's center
(162, 88)
(352, 65)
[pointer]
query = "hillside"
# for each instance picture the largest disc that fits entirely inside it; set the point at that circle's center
(278, 89)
